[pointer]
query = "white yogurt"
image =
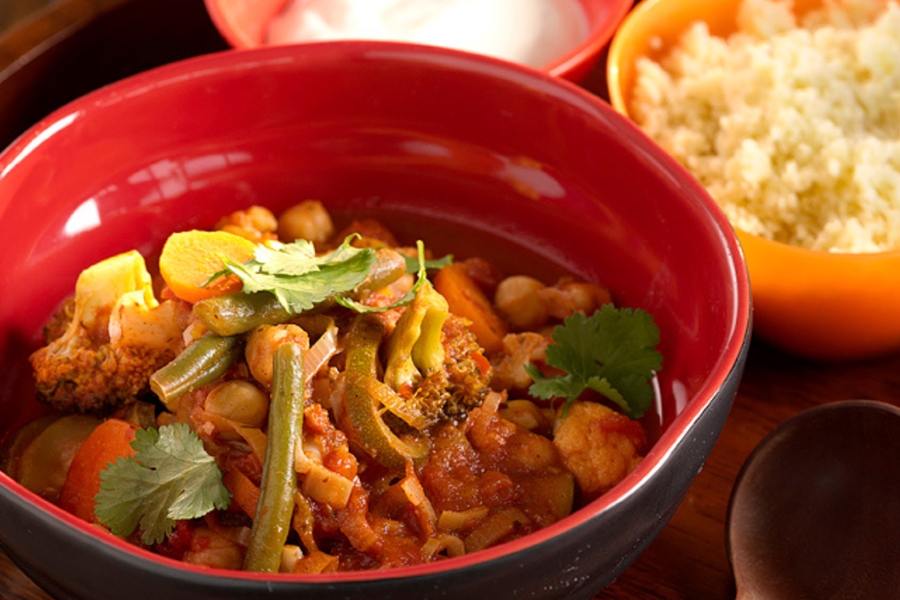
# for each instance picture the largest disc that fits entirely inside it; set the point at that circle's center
(530, 32)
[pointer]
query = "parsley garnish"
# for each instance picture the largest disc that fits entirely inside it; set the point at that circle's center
(170, 477)
(611, 352)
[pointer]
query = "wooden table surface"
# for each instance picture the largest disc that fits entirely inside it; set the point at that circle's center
(74, 46)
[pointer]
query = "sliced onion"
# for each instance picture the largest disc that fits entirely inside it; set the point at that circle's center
(321, 352)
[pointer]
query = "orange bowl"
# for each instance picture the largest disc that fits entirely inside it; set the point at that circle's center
(812, 303)
(244, 24)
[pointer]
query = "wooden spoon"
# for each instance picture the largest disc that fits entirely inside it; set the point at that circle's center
(815, 510)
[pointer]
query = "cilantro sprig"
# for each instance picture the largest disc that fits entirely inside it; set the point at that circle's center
(612, 352)
(416, 265)
(170, 477)
(300, 279)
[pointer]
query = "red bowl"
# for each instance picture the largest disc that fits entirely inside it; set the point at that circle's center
(526, 163)
(244, 24)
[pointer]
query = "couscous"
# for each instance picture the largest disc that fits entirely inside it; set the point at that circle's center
(792, 125)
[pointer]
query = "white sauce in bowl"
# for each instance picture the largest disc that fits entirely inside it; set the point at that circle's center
(531, 32)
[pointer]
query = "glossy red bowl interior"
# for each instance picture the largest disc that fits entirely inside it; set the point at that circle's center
(532, 170)
(244, 23)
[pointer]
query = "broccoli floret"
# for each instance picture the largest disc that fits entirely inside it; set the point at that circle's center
(103, 346)
(431, 363)
(461, 385)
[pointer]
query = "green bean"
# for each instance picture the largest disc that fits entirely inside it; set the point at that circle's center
(233, 314)
(279, 481)
(203, 361)
(389, 266)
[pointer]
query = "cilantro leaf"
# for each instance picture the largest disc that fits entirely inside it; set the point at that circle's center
(611, 352)
(413, 266)
(170, 477)
(297, 277)
(421, 271)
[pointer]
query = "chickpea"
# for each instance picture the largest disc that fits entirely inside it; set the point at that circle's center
(308, 220)
(518, 298)
(568, 296)
(527, 415)
(256, 223)
(261, 345)
(239, 401)
(214, 549)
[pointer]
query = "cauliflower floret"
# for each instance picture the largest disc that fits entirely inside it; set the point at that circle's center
(103, 346)
(599, 446)
(519, 349)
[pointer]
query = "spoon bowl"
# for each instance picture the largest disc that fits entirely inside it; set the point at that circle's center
(815, 510)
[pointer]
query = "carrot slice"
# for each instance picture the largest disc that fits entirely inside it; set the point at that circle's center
(467, 300)
(244, 493)
(190, 258)
(107, 442)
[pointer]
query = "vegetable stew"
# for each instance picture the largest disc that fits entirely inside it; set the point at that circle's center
(287, 396)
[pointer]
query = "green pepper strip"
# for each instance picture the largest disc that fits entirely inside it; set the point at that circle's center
(279, 481)
(362, 404)
(204, 361)
(363, 340)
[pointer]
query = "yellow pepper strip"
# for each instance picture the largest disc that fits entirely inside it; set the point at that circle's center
(414, 349)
